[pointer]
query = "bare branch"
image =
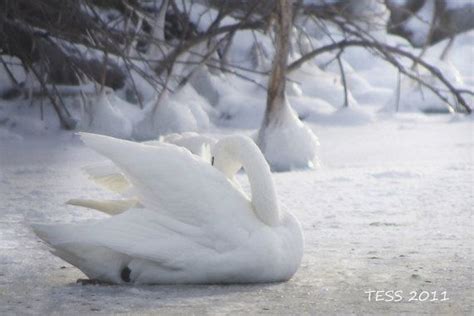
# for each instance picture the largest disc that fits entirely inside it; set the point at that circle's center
(384, 49)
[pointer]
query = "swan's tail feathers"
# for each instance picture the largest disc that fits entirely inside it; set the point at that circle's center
(55, 235)
(107, 175)
(97, 262)
(42, 231)
(111, 207)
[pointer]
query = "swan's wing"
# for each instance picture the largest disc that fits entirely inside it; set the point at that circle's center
(111, 207)
(107, 175)
(101, 249)
(170, 180)
(138, 233)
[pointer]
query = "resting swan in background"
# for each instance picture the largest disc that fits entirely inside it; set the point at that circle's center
(194, 226)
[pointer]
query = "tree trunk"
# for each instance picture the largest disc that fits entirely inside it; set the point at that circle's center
(276, 84)
(283, 139)
(447, 22)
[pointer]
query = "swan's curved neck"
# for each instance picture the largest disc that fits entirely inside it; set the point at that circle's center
(264, 199)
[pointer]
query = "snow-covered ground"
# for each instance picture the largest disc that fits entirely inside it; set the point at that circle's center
(390, 208)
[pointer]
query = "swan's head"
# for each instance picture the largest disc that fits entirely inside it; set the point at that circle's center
(224, 156)
(227, 153)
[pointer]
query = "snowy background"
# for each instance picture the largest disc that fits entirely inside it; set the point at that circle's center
(390, 208)
(388, 205)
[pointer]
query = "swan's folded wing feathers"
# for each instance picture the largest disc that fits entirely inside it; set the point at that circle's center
(169, 179)
(109, 176)
(111, 207)
(101, 169)
(138, 234)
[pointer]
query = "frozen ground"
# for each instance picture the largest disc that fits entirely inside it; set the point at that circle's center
(389, 209)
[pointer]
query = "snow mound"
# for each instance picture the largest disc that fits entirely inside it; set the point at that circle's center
(288, 144)
(460, 117)
(311, 109)
(174, 117)
(353, 115)
(414, 97)
(241, 104)
(328, 85)
(6, 135)
(182, 112)
(321, 112)
(197, 104)
(294, 89)
(101, 117)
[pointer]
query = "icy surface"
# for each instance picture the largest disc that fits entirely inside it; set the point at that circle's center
(390, 208)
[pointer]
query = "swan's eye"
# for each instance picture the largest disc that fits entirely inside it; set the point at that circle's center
(212, 161)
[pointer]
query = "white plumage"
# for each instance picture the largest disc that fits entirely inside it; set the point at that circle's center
(109, 176)
(193, 226)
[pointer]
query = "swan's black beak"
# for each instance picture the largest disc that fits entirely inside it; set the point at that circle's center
(212, 161)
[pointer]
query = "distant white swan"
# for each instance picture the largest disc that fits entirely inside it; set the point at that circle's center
(195, 226)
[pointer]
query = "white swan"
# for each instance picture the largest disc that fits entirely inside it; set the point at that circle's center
(194, 227)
